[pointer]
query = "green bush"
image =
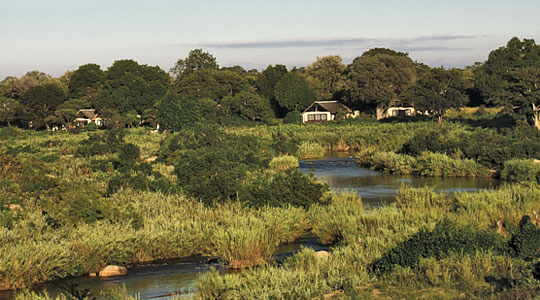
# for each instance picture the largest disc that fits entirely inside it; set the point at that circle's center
(284, 188)
(128, 154)
(444, 239)
(284, 162)
(520, 170)
(101, 143)
(91, 126)
(293, 117)
(426, 164)
(525, 242)
(309, 150)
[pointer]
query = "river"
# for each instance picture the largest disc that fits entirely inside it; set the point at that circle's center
(377, 188)
(159, 280)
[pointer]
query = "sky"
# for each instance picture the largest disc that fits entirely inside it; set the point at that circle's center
(54, 36)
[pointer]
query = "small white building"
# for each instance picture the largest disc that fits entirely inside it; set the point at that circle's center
(323, 111)
(87, 116)
(400, 112)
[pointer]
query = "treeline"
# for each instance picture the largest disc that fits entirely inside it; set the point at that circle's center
(197, 89)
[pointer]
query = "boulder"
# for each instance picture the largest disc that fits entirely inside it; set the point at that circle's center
(110, 271)
(322, 254)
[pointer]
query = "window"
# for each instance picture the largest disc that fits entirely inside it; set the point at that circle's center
(317, 117)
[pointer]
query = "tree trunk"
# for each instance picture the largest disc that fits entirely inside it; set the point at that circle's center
(440, 119)
(536, 116)
(380, 112)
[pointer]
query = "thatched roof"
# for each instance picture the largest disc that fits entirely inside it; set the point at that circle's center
(330, 106)
(87, 113)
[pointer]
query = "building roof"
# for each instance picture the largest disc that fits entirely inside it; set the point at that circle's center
(330, 106)
(87, 113)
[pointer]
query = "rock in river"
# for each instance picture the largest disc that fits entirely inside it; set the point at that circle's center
(109, 271)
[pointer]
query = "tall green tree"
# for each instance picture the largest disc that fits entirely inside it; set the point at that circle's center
(41, 101)
(213, 85)
(293, 92)
(8, 110)
(379, 78)
(67, 111)
(130, 86)
(177, 112)
(84, 79)
(327, 76)
(438, 90)
(13, 87)
(510, 77)
(197, 59)
(268, 79)
(249, 106)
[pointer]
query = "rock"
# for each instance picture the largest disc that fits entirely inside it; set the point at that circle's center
(501, 229)
(537, 161)
(14, 208)
(151, 159)
(93, 274)
(322, 254)
(110, 271)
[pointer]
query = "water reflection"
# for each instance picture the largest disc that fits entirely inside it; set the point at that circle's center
(377, 188)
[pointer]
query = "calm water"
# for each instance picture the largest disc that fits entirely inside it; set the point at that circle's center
(159, 280)
(377, 188)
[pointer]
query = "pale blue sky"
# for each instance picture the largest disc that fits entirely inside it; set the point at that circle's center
(57, 35)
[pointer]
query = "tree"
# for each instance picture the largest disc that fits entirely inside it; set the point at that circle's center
(66, 112)
(130, 86)
(8, 110)
(249, 106)
(13, 87)
(197, 60)
(268, 79)
(212, 84)
(294, 93)
(85, 77)
(327, 76)
(438, 90)
(41, 101)
(150, 117)
(510, 77)
(379, 77)
(177, 112)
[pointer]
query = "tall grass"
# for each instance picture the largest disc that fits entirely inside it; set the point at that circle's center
(521, 170)
(428, 164)
(284, 162)
(309, 150)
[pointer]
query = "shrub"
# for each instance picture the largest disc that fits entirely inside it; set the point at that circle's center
(521, 171)
(284, 162)
(285, 187)
(91, 126)
(444, 239)
(339, 220)
(309, 150)
(128, 154)
(525, 243)
(293, 117)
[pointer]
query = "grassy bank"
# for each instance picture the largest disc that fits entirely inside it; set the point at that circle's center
(73, 203)
(459, 252)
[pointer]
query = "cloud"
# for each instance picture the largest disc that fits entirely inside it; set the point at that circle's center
(339, 42)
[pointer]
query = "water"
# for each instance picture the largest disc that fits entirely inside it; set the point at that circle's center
(159, 280)
(377, 188)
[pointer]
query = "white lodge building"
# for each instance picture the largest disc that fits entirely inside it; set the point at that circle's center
(323, 111)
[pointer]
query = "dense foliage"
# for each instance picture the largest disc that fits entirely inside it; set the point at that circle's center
(128, 94)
